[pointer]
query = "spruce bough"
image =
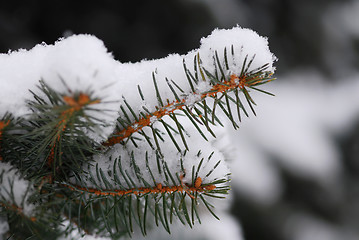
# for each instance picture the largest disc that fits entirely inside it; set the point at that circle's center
(111, 148)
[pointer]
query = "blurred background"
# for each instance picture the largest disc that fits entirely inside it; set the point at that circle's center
(295, 166)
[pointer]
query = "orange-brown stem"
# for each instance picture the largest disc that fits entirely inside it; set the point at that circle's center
(234, 82)
(144, 190)
(16, 209)
(143, 122)
(75, 105)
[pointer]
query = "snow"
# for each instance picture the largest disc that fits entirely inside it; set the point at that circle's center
(170, 154)
(245, 43)
(84, 63)
(210, 229)
(302, 226)
(81, 63)
(296, 130)
(253, 175)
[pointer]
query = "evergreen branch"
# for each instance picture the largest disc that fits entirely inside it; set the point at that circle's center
(16, 210)
(24, 216)
(70, 176)
(234, 82)
(126, 185)
(163, 202)
(54, 135)
(143, 122)
(74, 107)
(197, 188)
(3, 124)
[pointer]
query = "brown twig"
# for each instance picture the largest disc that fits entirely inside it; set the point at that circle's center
(234, 82)
(19, 211)
(159, 188)
(75, 105)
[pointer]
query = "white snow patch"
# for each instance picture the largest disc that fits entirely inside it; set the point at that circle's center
(209, 229)
(84, 63)
(303, 226)
(297, 127)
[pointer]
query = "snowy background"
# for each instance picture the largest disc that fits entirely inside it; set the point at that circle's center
(295, 167)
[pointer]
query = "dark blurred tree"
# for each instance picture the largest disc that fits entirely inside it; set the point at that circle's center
(132, 30)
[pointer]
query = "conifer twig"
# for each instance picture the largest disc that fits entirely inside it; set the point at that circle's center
(159, 188)
(233, 83)
(3, 124)
(16, 209)
(75, 105)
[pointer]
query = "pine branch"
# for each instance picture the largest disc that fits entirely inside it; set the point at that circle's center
(132, 186)
(156, 175)
(141, 191)
(147, 120)
(14, 209)
(66, 117)
(55, 134)
(219, 86)
(3, 125)
(17, 201)
(189, 190)
(172, 199)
